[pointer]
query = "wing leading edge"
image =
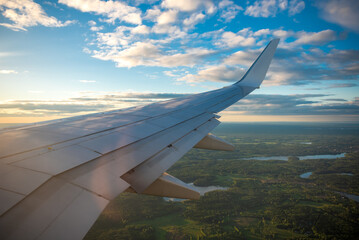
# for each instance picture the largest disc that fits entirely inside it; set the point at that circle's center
(56, 177)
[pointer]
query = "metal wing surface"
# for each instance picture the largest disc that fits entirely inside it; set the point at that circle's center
(56, 177)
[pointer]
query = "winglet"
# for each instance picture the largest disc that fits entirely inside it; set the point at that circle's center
(257, 72)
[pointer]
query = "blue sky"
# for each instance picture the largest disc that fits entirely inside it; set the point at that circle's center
(64, 58)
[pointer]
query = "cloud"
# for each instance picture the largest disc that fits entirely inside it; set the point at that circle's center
(26, 13)
(229, 10)
(87, 81)
(189, 5)
(167, 17)
(244, 58)
(89, 102)
(193, 19)
(341, 12)
(93, 26)
(147, 54)
(111, 9)
(270, 8)
(254, 104)
(343, 85)
(152, 13)
(299, 104)
(264, 8)
(240, 38)
(8, 71)
(296, 6)
(218, 73)
(141, 29)
(140, 53)
(315, 38)
(290, 66)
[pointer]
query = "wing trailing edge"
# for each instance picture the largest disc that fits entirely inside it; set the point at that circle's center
(169, 186)
(212, 142)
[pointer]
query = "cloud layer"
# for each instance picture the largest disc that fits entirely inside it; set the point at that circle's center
(254, 104)
(26, 13)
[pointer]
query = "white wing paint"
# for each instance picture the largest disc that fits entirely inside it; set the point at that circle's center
(56, 177)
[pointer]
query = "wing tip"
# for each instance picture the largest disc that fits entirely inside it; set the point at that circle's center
(257, 72)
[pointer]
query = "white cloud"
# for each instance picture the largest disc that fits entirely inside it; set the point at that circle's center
(218, 73)
(26, 13)
(229, 10)
(110, 39)
(141, 29)
(193, 19)
(264, 8)
(170, 73)
(342, 12)
(282, 34)
(8, 71)
(190, 58)
(269, 8)
(111, 9)
(283, 4)
(240, 38)
(173, 31)
(140, 53)
(167, 17)
(92, 23)
(96, 28)
(152, 14)
(262, 32)
(189, 5)
(296, 6)
(315, 38)
(244, 58)
(87, 81)
(93, 27)
(148, 54)
(183, 5)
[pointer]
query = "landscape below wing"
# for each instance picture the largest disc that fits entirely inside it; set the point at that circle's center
(56, 177)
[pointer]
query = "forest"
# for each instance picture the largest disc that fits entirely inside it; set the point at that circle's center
(263, 200)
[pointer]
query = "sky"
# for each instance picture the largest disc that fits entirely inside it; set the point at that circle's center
(72, 57)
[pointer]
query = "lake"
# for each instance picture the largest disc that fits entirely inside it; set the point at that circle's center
(285, 158)
(350, 196)
(305, 175)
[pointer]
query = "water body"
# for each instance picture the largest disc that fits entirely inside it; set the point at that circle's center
(350, 196)
(346, 174)
(201, 190)
(305, 175)
(285, 158)
(308, 174)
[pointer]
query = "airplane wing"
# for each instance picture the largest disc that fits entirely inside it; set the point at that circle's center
(56, 177)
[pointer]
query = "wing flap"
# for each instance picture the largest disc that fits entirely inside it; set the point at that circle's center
(213, 142)
(143, 175)
(169, 186)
